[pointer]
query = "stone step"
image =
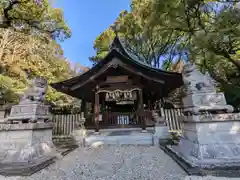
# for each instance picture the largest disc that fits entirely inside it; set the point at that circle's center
(66, 151)
(66, 146)
(142, 139)
(64, 142)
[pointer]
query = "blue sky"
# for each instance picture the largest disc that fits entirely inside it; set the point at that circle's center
(87, 19)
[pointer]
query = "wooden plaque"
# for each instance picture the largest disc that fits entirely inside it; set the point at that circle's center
(116, 79)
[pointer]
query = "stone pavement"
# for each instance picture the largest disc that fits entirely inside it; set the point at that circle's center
(114, 163)
(109, 162)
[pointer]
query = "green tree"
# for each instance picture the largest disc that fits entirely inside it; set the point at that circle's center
(41, 56)
(161, 33)
(141, 40)
(101, 44)
(33, 16)
(29, 31)
(211, 34)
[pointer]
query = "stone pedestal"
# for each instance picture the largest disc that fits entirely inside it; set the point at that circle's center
(210, 102)
(161, 134)
(25, 148)
(31, 111)
(211, 133)
(210, 140)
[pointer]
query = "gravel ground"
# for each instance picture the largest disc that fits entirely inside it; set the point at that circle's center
(109, 162)
(209, 178)
(115, 163)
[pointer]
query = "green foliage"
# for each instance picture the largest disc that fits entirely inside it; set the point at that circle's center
(161, 33)
(32, 47)
(141, 40)
(101, 44)
(7, 90)
(36, 16)
(41, 56)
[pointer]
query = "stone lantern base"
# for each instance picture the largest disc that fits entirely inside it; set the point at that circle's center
(210, 141)
(25, 148)
(36, 111)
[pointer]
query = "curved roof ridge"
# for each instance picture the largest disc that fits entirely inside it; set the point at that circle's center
(130, 55)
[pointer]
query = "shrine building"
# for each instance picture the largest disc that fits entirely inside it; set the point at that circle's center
(122, 89)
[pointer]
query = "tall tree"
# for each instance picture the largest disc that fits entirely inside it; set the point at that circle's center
(210, 33)
(21, 52)
(161, 33)
(33, 16)
(143, 41)
(29, 31)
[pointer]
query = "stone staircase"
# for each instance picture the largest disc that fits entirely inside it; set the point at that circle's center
(119, 137)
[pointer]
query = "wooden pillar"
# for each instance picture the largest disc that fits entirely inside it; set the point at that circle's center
(149, 105)
(96, 111)
(84, 107)
(141, 110)
(87, 109)
(104, 113)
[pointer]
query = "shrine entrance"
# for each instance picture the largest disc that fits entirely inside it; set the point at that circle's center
(121, 89)
(119, 108)
(121, 115)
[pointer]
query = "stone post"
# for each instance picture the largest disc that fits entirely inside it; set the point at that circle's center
(161, 133)
(80, 132)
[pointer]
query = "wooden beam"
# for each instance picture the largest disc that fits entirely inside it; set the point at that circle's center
(115, 63)
(140, 73)
(104, 83)
(117, 79)
(92, 78)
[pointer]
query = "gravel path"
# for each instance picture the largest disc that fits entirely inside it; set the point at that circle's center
(126, 162)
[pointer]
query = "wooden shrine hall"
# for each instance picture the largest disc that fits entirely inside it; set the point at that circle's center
(121, 88)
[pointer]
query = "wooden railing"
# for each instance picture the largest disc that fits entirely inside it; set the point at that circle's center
(118, 119)
(65, 124)
(126, 119)
(171, 118)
